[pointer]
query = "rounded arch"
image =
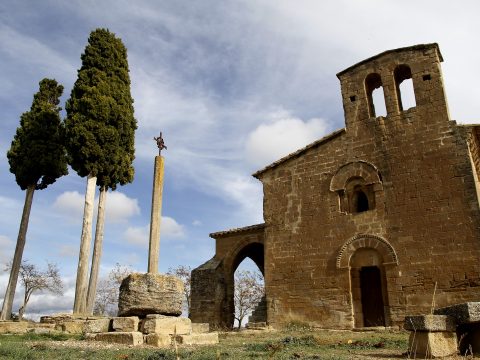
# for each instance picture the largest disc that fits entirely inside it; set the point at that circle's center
(355, 169)
(247, 248)
(359, 241)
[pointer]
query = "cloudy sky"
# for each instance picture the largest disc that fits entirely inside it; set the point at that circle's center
(233, 85)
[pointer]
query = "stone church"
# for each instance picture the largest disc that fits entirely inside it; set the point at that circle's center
(373, 222)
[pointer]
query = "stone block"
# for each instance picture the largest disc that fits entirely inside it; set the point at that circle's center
(425, 345)
(72, 327)
(143, 294)
(129, 323)
(200, 328)
(166, 325)
(429, 323)
(198, 339)
(97, 325)
(464, 313)
(13, 327)
(127, 338)
(158, 340)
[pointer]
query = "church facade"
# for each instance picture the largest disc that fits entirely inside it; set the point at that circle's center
(373, 222)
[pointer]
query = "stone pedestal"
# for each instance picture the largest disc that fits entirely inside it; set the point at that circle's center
(467, 318)
(428, 345)
(431, 336)
(143, 294)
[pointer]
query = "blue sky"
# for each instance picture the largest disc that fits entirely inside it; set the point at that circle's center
(233, 85)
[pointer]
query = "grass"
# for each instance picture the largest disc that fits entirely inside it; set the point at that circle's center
(291, 343)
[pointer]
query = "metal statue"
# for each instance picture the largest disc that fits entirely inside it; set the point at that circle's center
(160, 143)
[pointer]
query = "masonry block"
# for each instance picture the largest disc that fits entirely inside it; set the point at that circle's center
(130, 323)
(167, 325)
(127, 338)
(424, 344)
(72, 327)
(97, 325)
(198, 339)
(13, 327)
(158, 340)
(430, 323)
(465, 313)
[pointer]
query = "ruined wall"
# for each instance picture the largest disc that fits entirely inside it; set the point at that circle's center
(426, 207)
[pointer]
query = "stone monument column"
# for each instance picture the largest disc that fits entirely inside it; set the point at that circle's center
(156, 215)
(152, 293)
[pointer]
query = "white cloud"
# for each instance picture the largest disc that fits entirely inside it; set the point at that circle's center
(197, 223)
(270, 142)
(137, 235)
(119, 207)
(169, 229)
(70, 204)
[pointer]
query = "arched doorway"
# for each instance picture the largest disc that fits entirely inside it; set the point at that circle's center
(368, 288)
(246, 288)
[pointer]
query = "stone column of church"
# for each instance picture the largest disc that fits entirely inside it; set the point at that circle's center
(154, 243)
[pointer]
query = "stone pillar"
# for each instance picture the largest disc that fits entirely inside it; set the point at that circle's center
(154, 242)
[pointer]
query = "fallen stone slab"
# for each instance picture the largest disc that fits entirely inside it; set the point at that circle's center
(13, 327)
(200, 328)
(198, 339)
(427, 345)
(129, 323)
(97, 325)
(158, 340)
(133, 338)
(143, 294)
(166, 325)
(463, 313)
(429, 323)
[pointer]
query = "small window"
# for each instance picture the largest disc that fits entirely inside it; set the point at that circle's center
(358, 197)
(404, 87)
(375, 95)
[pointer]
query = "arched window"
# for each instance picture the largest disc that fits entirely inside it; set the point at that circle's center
(356, 184)
(404, 87)
(359, 197)
(375, 95)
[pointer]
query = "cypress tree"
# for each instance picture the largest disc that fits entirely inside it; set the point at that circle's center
(100, 129)
(37, 158)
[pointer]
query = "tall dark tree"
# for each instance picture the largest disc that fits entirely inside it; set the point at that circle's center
(37, 158)
(100, 129)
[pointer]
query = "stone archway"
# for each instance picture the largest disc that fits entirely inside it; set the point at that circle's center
(212, 286)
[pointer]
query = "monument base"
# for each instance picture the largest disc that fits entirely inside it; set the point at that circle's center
(144, 294)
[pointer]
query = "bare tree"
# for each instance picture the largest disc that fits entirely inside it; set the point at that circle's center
(249, 290)
(184, 273)
(106, 299)
(34, 279)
